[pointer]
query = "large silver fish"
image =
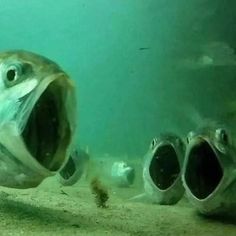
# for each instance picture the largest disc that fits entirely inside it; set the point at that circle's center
(162, 170)
(209, 170)
(37, 118)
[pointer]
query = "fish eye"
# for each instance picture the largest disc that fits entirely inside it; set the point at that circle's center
(13, 72)
(221, 136)
(153, 143)
(187, 140)
(189, 137)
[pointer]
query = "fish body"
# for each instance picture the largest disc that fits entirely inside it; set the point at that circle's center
(37, 118)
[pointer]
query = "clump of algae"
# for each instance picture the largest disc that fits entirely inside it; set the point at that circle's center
(100, 193)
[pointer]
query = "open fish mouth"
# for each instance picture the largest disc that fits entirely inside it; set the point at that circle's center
(203, 170)
(164, 167)
(47, 131)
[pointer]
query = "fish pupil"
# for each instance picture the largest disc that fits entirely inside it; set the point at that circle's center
(224, 137)
(11, 74)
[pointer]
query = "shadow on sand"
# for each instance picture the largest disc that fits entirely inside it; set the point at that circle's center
(224, 219)
(39, 215)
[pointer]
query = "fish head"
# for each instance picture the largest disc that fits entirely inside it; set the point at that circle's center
(218, 136)
(37, 105)
(162, 169)
(209, 161)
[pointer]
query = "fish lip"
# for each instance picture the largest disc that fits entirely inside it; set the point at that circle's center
(46, 127)
(203, 171)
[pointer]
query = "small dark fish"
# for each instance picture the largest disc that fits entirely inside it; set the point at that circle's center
(63, 192)
(144, 48)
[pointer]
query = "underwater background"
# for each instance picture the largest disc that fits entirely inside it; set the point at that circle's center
(135, 62)
(141, 68)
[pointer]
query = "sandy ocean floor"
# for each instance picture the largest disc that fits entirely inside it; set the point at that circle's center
(54, 210)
